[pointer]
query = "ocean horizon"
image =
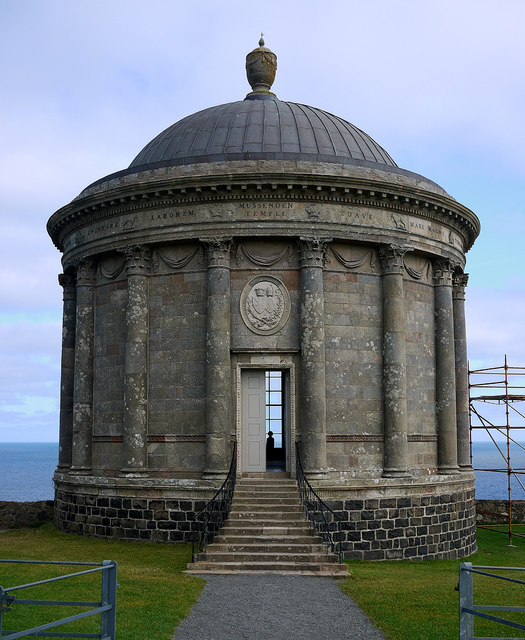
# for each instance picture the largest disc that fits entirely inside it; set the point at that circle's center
(27, 470)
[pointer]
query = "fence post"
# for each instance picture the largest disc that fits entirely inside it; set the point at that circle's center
(466, 601)
(1, 607)
(108, 619)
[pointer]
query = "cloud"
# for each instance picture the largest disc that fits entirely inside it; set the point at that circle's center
(440, 85)
(495, 327)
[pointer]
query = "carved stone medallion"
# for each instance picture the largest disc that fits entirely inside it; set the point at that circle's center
(265, 305)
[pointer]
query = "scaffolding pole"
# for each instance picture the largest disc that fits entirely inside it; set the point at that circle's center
(494, 381)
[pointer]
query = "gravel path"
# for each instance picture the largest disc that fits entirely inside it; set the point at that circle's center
(274, 607)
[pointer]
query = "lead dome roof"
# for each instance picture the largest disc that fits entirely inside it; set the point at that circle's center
(263, 128)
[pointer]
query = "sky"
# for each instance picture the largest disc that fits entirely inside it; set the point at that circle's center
(440, 84)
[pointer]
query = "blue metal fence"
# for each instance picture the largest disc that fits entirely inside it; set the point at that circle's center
(106, 608)
(467, 608)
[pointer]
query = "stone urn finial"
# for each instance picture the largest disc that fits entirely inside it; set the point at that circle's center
(261, 65)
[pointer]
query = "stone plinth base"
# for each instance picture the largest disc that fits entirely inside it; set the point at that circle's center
(127, 508)
(416, 518)
(420, 520)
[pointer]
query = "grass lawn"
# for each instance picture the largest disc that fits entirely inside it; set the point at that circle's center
(411, 600)
(153, 597)
(408, 600)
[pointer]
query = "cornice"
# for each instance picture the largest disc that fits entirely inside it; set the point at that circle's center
(184, 191)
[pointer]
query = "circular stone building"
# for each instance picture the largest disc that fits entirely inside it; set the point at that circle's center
(266, 266)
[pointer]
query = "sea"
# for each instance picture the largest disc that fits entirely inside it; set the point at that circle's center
(26, 471)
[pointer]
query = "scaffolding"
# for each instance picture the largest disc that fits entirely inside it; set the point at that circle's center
(502, 389)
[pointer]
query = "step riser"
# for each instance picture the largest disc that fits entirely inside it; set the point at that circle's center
(261, 516)
(248, 529)
(257, 485)
(262, 539)
(293, 549)
(318, 568)
(247, 558)
(267, 498)
(271, 509)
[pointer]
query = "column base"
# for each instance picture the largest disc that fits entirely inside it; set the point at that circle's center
(315, 474)
(448, 470)
(134, 471)
(80, 471)
(214, 475)
(395, 473)
(465, 468)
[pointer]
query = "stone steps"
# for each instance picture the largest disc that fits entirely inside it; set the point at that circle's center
(266, 532)
(285, 568)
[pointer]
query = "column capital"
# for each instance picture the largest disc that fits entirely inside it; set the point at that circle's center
(459, 283)
(137, 259)
(313, 251)
(392, 257)
(86, 273)
(68, 283)
(443, 271)
(218, 251)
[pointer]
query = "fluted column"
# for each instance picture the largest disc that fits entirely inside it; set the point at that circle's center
(445, 368)
(394, 361)
(313, 411)
(67, 369)
(218, 365)
(459, 283)
(83, 377)
(134, 450)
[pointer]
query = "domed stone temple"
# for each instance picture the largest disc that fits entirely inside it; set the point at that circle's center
(266, 266)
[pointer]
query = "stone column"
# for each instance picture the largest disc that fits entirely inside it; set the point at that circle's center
(459, 283)
(67, 369)
(83, 378)
(394, 361)
(135, 446)
(445, 368)
(218, 364)
(313, 410)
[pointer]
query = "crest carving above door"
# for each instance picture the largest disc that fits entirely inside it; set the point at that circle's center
(265, 305)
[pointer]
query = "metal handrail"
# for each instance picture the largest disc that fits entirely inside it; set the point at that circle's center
(325, 521)
(210, 519)
(106, 607)
(467, 608)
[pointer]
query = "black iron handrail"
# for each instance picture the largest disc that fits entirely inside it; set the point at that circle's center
(325, 521)
(210, 519)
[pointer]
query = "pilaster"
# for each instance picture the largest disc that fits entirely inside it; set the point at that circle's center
(218, 365)
(81, 458)
(445, 368)
(135, 454)
(459, 283)
(313, 257)
(67, 369)
(394, 360)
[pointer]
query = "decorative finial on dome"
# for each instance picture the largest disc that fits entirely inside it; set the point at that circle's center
(261, 65)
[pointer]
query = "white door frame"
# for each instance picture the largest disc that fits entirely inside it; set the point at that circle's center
(269, 362)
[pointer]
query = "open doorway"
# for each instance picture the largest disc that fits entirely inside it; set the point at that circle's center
(275, 413)
(264, 422)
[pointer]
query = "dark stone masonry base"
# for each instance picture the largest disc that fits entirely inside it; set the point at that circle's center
(146, 519)
(416, 520)
(414, 527)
